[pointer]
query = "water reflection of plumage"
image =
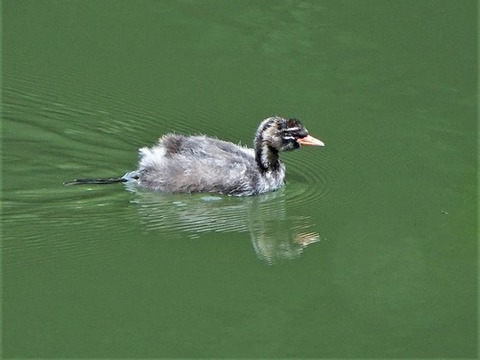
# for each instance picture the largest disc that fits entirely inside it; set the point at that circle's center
(275, 235)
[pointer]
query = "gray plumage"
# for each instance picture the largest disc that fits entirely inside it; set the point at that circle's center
(187, 164)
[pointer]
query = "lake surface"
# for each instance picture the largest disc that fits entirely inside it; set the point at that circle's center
(369, 251)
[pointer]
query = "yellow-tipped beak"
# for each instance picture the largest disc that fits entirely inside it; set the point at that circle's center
(310, 140)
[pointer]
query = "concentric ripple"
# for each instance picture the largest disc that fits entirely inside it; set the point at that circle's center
(320, 179)
(314, 176)
(54, 135)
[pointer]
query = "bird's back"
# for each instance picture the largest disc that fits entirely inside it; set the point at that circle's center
(198, 164)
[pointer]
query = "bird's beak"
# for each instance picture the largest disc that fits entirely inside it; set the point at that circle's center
(310, 140)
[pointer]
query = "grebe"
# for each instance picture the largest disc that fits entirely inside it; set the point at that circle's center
(188, 164)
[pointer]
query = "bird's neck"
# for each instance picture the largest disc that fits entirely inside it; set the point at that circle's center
(266, 157)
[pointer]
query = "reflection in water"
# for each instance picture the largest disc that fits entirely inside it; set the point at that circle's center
(275, 236)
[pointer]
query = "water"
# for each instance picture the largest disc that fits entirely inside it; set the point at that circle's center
(370, 251)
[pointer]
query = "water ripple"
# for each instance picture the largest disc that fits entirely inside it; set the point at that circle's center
(57, 135)
(315, 176)
(319, 185)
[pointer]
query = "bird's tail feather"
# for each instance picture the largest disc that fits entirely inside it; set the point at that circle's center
(127, 177)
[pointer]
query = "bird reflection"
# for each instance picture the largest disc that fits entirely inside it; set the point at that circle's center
(275, 236)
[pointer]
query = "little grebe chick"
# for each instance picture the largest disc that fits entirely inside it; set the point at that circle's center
(187, 164)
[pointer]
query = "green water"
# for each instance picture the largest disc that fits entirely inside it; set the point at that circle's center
(370, 251)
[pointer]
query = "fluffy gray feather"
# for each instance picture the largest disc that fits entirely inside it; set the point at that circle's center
(186, 164)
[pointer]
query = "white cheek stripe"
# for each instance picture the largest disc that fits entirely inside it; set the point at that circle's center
(293, 129)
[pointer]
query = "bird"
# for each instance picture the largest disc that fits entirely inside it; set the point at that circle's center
(201, 164)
